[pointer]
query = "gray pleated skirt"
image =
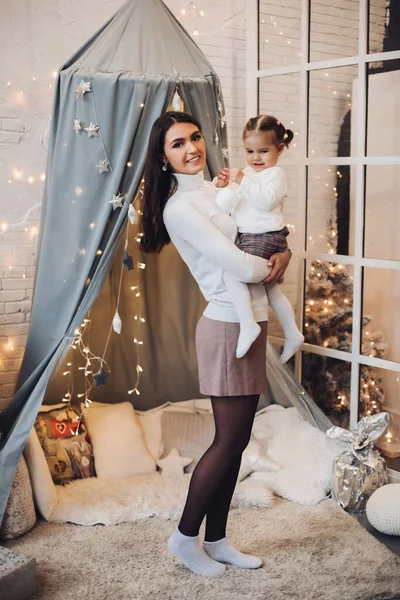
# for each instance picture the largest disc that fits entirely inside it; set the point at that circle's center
(220, 372)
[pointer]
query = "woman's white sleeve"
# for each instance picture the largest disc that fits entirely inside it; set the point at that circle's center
(264, 191)
(187, 223)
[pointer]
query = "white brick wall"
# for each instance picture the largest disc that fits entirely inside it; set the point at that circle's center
(44, 36)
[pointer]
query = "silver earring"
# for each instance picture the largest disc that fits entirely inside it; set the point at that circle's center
(165, 166)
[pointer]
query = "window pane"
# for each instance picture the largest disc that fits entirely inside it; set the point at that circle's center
(382, 212)
(383, 123)
(332, 112)
(328, 209)
(384, 32)
(381, 323)
(279, 33)
(327, 380)
(333, 29)
(328, 309)
(380, 391)
(280, 96)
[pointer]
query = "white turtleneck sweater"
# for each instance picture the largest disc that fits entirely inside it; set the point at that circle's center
(204, 236)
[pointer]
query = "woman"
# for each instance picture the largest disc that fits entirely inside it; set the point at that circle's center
(179, 206)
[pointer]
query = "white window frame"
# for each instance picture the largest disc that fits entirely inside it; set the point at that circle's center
(359, 160)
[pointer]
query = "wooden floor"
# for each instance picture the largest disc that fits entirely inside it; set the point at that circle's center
(391, 541)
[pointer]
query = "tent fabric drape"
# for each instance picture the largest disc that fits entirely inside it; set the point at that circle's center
(134, 65)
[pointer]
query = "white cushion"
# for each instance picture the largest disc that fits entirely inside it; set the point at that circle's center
(118, 444)
(383, 509)
(150, 422)
(43, 488)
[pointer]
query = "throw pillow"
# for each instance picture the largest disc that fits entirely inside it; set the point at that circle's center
(19, 516)
(190, 433)
(118, 444)
(69, 456)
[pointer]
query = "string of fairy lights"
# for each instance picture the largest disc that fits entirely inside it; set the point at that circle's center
(80, 342)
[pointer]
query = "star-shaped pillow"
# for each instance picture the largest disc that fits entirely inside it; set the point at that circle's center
(173, 464)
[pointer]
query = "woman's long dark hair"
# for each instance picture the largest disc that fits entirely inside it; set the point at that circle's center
(159, 185)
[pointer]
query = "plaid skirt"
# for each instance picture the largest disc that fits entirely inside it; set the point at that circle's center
(264, 244)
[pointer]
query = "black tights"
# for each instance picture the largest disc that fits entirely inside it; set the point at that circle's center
(214, 478)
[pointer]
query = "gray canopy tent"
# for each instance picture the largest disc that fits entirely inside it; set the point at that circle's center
(107, 96)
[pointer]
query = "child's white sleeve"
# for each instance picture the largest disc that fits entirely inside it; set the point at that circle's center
(227, 197)
(266, 189)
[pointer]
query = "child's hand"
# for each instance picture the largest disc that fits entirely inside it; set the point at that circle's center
(236, 175)
(223, 178)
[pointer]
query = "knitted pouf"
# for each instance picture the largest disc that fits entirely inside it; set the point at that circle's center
(383, 509)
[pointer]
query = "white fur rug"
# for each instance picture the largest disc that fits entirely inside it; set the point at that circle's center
(296, 465)
(118, 500)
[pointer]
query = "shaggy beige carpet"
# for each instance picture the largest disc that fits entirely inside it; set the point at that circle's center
(309, 553)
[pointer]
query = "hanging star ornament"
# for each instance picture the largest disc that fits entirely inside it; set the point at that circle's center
(77, 126)
(103, 166)
(93, 130)
(117, 201)
(127, 261)
(100, 378)
(82, 88)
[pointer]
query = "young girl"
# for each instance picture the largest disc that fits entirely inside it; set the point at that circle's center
(255, 198)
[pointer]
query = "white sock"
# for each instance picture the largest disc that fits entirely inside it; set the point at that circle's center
(189, 551)
(283, 310)
(222, 551)
(248, 334)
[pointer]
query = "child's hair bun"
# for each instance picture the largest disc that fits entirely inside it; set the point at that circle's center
(288, 137)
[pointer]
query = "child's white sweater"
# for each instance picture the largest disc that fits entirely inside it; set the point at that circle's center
(260, 200)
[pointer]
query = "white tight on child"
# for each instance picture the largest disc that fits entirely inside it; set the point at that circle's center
(249, 329)
(283, 310)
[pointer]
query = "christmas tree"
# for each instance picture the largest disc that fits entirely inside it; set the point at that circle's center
(328, 323)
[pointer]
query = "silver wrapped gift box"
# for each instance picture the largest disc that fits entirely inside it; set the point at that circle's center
(360, 470)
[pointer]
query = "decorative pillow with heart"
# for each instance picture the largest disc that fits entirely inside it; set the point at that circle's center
(69, 456)
(56, 423)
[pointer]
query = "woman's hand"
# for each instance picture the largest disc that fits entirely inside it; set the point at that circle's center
(236, 175)
(223, 178)
(278, 263)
